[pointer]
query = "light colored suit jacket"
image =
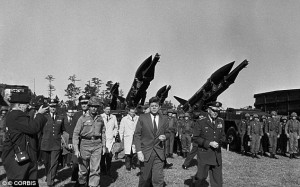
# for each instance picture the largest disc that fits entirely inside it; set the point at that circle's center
(111, 130)
(127, 128)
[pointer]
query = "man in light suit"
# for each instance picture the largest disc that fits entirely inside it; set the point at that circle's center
(150, 133)
(127, 128)
(111, 125)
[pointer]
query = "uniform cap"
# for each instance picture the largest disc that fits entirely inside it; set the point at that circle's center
(84, 98)
(255, 115)
(164, 112)
(53, 102)
(284, 118)
(247, 115)
(4, 108)
(187, 115)
(273, 113)
(264, 117)
(94, 101)
(170, 111)
(181, 115)
(215, 105)
(294, 114)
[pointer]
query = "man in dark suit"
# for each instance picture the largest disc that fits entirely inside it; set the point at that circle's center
(209, 135)
(150, 133)
(51, 141)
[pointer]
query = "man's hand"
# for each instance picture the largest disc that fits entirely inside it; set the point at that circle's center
(103, 150)
(140, 156)
(287, 135)
(77, 154)
(70, 146)
(43, 110)
(214, 144)
(162, 137)
(268, 134)
(278, 136)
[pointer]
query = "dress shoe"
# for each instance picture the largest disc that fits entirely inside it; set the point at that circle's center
(184, 167)
(133, 166)
(291, 156)
(256, 156)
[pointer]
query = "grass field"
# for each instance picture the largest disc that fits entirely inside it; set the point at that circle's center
(237, 171)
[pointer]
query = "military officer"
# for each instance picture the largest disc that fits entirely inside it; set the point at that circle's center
(90, 130)
(111, 126)
(243, 127)
(177, 139)
(185, 134)
(255, 135)
(264, 142)
(173, 130)
(292, 129)
(209, 135)
(51, 141)
(83, 104)
(273, 132)
(283, 137)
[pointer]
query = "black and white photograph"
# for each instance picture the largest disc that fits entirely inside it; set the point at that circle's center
(150, 93)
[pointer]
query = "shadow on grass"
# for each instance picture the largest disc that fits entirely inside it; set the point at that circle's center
(105, 181)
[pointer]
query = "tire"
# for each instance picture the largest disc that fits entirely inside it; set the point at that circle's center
(232, 138)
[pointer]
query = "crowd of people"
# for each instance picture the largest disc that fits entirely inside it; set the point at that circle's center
(84, 140)
(269, 135)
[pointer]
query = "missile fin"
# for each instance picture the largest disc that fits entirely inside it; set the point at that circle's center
(180, 100)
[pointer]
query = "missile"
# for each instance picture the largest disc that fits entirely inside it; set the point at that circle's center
(143, 76)
(162, 93)
(216, 84)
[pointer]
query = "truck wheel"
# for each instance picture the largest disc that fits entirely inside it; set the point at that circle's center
(231, 137)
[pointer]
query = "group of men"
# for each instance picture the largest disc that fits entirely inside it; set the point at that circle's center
(269, 135)
(86, 138)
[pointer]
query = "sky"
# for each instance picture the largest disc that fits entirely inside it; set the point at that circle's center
(110, 39)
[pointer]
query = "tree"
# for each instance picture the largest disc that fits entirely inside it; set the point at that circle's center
(72, 90)
(51, 88)
(93, 87)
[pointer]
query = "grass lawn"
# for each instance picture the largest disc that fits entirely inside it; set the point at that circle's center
(237, 171)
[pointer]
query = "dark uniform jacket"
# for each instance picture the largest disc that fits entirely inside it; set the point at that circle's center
(172, 124)
(243, 126)
(273, 125)
(204, 133)
(22, 129)
(144, 138)
(186, 127)
(51, 139)
(256, 128)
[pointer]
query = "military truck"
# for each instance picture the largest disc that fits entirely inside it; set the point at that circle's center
(232, 118)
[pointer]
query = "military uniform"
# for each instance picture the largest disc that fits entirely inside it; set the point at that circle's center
(242, 129)
(186, 132)
(273, 130)
(255, 133)
(91, 132)
(173, 131)
(292, 129)
(282, 144)
(209, 158)
(51, 144)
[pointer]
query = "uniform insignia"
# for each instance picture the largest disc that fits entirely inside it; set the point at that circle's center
(88, 121)
(220, 125)
(206, 127)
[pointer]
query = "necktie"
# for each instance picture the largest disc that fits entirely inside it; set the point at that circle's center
(53, 117)
(154, 125)
(107, 118)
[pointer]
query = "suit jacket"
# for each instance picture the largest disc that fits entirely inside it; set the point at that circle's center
(204, 133)
(111, 127)
(144, 138)
(51, 139)
(127, 128)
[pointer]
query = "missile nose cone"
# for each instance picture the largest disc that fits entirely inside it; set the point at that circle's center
(233, 75)
(218, 75)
